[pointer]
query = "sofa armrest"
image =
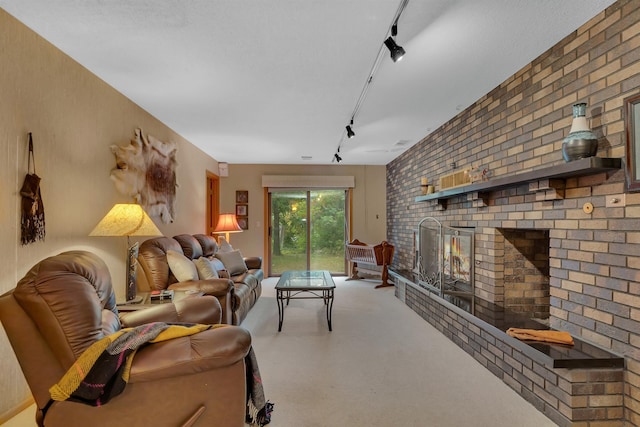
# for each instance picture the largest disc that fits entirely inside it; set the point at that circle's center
(222, 289)
(211, 349)
(215, 287)
(253, 263)
(174, 383)
(204, 309)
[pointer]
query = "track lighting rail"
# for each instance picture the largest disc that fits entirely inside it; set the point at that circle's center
(397, 52)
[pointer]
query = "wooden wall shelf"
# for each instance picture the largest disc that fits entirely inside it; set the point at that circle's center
(576, 168)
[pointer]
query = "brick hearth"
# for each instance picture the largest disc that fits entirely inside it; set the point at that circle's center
(573, 389)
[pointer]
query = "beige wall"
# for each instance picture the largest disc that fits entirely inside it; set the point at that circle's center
(74, 118)
(369, 199)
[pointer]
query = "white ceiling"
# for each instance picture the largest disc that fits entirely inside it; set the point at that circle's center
(270, 81)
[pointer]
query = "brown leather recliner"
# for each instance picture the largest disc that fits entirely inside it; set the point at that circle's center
(66, 302)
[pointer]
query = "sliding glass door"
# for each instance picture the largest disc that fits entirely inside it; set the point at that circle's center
(307, 230)
(288, 231)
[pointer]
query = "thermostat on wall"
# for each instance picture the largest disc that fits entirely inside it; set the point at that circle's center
(223, 169)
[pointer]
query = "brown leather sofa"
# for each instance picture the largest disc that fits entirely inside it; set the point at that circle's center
(236, 293)
(66, 302)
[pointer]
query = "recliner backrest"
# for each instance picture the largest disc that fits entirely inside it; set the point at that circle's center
(61, 306)
(190, 246)
(152, 257)
(208, 244)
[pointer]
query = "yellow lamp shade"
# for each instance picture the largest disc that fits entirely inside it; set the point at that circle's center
(126, 219)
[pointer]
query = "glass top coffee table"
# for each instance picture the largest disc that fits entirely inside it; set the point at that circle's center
(299, 284)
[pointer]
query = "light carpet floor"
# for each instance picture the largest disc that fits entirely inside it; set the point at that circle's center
(382, 365)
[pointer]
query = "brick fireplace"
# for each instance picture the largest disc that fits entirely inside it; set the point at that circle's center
(516, 273)
(518, 266)
(589, 276)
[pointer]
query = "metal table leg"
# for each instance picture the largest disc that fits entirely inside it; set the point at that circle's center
(329, 303)
(280, 301)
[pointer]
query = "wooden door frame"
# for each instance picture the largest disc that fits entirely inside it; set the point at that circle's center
(267, 231)
(212, 185)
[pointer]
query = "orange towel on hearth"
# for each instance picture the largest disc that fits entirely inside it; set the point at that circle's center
(552, 337)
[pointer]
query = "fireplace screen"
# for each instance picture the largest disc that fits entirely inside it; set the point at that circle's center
(457, 254)
(444, 259)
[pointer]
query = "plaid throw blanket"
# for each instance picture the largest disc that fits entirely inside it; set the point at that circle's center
(102, 371)
(258, 408)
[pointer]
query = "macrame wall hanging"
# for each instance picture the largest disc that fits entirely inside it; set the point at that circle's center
(32, 210)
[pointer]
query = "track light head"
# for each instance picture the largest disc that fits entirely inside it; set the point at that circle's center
(397, 52)
(350, 132)
(337, 157)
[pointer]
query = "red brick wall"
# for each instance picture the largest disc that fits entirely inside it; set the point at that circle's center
(519, 126)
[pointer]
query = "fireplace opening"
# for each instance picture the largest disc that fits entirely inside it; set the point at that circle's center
(526, 271)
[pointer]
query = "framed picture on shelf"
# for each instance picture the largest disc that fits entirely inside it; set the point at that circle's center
(632, 122)
(242, 196)
(242, 210)
(243, 222)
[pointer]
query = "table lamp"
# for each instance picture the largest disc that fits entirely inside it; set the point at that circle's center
(227, 223)
(127, 219)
